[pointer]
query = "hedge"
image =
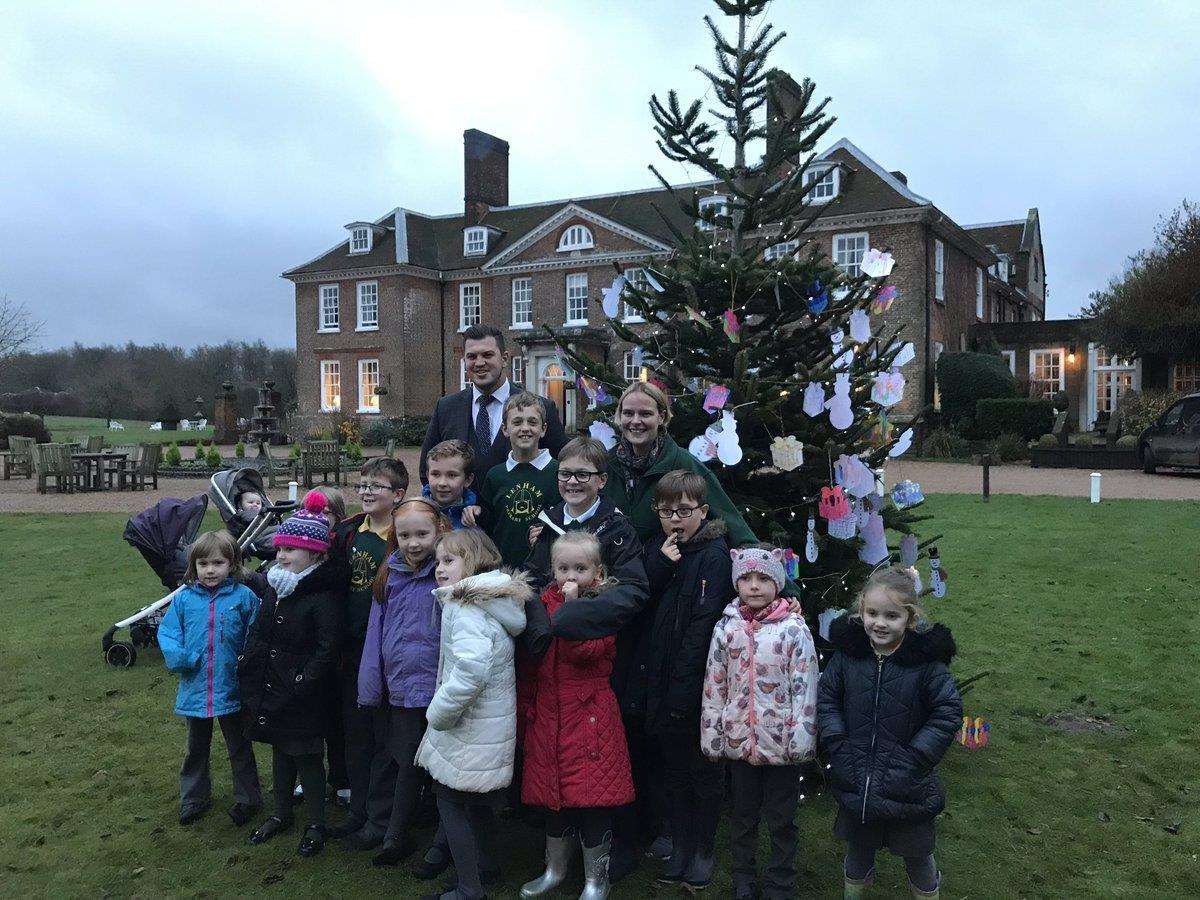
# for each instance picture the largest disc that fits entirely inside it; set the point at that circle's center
(22, 425)
(1016, 415)
(407, 431)
(966, 378)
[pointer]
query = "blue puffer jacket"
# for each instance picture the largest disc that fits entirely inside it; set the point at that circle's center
(201, 636)
(454, 511)
(400, 655)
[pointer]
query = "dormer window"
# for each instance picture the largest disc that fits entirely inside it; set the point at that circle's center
(577, 237)
(716, 205)
(823, 184)
(1000, 269)
(360, 239)
(475, 241)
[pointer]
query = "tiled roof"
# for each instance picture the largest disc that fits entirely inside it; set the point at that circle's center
(1004, 236)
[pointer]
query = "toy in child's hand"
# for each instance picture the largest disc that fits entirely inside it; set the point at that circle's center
(937, 575)
(814, 399)
(876, 263)
(810, 541)
(841, 416)
(974, 733)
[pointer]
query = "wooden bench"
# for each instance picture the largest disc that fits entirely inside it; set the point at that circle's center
(322, 458)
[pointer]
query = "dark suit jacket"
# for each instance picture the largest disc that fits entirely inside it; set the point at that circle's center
(453, 419)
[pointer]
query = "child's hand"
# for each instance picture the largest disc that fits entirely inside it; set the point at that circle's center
(794, 606)
(570, 591)
(670, 548)
(468, 515)
(535, 532)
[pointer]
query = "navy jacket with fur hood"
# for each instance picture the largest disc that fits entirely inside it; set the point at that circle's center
(887, 721)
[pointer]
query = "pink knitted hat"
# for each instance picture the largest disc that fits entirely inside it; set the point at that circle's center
(307, 529)
(754, 559)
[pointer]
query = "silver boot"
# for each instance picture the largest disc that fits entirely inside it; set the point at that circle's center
(595, 869)
(559, 851)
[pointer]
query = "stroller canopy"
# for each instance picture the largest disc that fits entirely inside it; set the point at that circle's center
(163, 532)
(228, 484)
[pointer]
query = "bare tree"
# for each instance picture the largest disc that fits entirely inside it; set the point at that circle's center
(18, 328)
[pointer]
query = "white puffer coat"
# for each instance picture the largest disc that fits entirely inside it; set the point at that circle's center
(472, 734)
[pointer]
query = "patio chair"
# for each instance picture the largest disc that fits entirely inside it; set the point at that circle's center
(114, 469)
(272, 466)
(145, 468)
(54, 461)
(95, 443)
(20, 459)
(322, 458)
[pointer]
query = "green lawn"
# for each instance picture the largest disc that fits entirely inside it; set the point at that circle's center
(1080, 612)
(79, 428)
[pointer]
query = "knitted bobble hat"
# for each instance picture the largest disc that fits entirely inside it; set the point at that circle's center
(754, 559)
(308, 529)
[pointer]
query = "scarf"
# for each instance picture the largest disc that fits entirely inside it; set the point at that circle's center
(283, 582)
(637, 466)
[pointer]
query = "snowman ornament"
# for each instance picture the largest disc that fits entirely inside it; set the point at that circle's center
(937, 575)
(810, 540)
(841, 416)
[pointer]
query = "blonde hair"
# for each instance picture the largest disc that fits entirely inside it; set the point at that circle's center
(898, 585)
(212, 543)
(477, 551)
(654, 392)
(524, 400)
(581, 540)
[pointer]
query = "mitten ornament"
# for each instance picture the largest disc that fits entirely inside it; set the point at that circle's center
(874, 549)
(909, 548)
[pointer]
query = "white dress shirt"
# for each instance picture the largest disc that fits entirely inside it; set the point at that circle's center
(495, 407)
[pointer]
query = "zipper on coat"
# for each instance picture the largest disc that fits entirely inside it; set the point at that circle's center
(874, 733)
(212, 638)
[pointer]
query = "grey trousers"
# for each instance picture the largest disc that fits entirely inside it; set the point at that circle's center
(771, 793)
(195, 782)
(467, 822)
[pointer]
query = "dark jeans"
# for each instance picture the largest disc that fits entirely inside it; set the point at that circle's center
(195, 782)
(310, 769)
(468, 822)
(642, 820)
(400, 730)
(922, 870)
(770, 793)
(593, 823)
(358, 727)
(694, 787)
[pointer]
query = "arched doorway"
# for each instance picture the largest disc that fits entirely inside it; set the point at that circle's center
(553, 380)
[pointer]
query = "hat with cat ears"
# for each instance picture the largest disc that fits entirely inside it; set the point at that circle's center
(756, 559)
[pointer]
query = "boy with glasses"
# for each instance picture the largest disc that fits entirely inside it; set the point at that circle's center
(360, 543)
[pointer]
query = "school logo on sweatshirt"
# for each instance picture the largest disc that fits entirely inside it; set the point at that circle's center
(522, 502)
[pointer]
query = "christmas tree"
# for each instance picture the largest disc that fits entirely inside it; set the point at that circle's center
(749, 306)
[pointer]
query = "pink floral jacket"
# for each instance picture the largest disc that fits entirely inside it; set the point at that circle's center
(760, 690)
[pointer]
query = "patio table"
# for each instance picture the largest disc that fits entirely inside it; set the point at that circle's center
(94, 467)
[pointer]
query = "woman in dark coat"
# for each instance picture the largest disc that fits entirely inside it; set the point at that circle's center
(887, 711)
(285, 670)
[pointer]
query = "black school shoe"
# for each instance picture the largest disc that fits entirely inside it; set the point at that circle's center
(363, 839)
(191, 813)
(268, 829)
(347, 828)
(241, 813)
(427, 868)
(392, 853)
(313, 841)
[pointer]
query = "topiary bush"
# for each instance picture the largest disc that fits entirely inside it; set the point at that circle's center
(406, 431)
(1047, 440)
(172, 457)
(239, 450)
(945, 443)
(354, 452)
(966, 378)
(22, 425)
(1028, 419)
(213, 457)
(1127, 442)
(1009, 447)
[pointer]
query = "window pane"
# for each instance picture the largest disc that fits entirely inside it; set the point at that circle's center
(329, 306)
(848, 251)
(469, 305)
(1046, 371)
(522, 301)
(368, 381)
(577, 298)
(331, 385)
(368, 305)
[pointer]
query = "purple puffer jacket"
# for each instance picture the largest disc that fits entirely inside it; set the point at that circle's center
(400, 653)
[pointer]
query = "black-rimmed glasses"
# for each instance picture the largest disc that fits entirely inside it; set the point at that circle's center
(579, 477)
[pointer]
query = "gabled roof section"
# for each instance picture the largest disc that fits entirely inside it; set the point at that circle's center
(560, 218)
(1007, 237)
(874, 187)
(338, 257)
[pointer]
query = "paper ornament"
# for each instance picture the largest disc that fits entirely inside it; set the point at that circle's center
(833, 504)
(612, 297)
(906, 355)
(603, 432)
(825, 619)
(874, 549)
(909, 548)
(881, 431)
(837, 340)
(814, 399)
(907, 493)
(841, 416)
(729, 447)
(861, 513)
(791, 563)
(876, 263)
(810, 540)
(653, 282)
(974, 733)
(888, 389)
(883, 300)
(732, 326)
(699, 319)
(937, 575)
(874, 500)
(901, 446)
(703, 447)
(787, 453)
(860, 326)
(818, 298)
(854, 476)
(844, 528)
(715, 398)
(916, 577)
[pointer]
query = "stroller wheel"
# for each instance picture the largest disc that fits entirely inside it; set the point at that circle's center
(121, 655)
(140, 636)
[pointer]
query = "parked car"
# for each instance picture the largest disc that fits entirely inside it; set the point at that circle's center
(1174, 440)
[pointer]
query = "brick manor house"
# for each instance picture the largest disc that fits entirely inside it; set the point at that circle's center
(378, 314)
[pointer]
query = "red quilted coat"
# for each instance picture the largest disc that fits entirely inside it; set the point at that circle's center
(575, 751)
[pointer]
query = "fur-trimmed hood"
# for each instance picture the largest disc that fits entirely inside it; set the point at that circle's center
(501, 594)
(934, 644)
(709, 531)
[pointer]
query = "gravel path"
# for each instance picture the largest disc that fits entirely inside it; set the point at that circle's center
(20, 495)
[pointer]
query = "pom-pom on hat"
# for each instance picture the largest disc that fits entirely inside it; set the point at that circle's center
(308, 529)
(755, 559)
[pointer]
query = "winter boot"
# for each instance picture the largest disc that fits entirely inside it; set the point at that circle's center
(681, 846)
(937, 887)
(595, 869)
(699, 872)
(856, 888)
(559, 851)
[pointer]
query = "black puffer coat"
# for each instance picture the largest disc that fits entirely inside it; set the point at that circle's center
(666, 680)
(285, 668)
(886, 722)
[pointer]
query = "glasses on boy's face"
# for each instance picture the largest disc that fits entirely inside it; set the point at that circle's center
(580, 476)
(372, 487)
(683, 512)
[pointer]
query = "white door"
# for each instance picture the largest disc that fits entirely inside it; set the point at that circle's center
(1109, 378)
(552, 380)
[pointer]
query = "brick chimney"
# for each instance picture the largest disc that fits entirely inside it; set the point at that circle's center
(789, 95)
(485, 174)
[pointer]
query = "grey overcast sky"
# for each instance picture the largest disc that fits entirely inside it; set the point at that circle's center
(162, 163)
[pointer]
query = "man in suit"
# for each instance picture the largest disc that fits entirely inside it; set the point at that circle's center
(475, 414)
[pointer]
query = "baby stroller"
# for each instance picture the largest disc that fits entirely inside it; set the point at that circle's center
(164, 532)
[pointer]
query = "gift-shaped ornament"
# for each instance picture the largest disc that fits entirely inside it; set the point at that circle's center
(833, 504)
(860, 326)
(787, 453)
(888, 389)
(814, 399)
(876, 263)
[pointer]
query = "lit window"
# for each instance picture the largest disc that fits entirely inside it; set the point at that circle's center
(824, 183)
(1046, 372)
(470, 305)
(577, 299)
(518, 370)
(368, 305)
(577, 237)
(331, 385)
(979, 310)
(636, 278)
(360, 240)
(939, 271)
(715, 206)
(778, 251)
(630, 370)
(522, 303)
(848, 250)
(368, 381)
(1186, 377)
(330, 305)
(474, 241)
